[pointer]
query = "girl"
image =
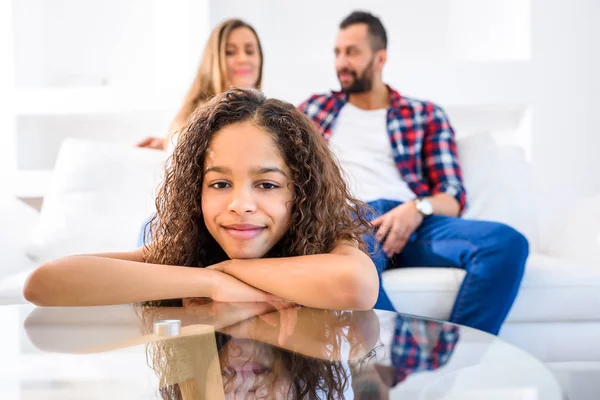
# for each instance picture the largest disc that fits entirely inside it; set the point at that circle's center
(232, 57)
(253, 208)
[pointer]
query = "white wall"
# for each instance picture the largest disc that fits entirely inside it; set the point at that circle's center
(566, 100)
(132, 43)
(7, 121)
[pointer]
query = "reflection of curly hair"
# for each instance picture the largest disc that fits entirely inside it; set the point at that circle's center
(175, 362)
(323, 212)
(182, 364)
(310, 378)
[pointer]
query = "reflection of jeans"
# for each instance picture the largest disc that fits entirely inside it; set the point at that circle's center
(492, 254)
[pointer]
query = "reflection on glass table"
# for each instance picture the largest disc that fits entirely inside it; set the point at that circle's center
(230, 351)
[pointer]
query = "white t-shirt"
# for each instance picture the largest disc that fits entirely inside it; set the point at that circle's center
(360, 141)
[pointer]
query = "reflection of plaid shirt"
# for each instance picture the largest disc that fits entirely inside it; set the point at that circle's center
(421, 137)
(421, 345)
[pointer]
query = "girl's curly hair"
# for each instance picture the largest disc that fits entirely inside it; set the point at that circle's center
(181, 364)
(323, 212)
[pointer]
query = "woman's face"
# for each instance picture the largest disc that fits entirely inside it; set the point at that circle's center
(242, 59)
(246, 195)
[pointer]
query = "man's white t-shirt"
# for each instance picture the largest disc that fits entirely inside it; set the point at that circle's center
(360, 141)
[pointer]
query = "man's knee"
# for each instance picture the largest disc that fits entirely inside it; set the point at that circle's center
(511, 240)
(513, 249)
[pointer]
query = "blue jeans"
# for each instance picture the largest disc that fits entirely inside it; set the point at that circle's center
(492, 254)
(144, 233)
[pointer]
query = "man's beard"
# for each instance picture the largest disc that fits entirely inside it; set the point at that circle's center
(360, 84)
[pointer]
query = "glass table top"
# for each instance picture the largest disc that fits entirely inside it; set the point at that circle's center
(211, 350)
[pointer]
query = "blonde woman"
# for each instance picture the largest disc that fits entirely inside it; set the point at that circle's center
(232, 57)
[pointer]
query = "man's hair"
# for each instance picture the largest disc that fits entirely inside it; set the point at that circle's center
(377, 33)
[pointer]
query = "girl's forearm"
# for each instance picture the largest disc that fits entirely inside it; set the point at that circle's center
(329, 281)
(93, 280)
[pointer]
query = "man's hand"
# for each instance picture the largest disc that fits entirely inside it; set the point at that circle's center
(152, 143)
(396, 227)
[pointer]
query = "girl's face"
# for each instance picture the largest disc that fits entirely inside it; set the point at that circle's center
(258, 371)
(246, 196)
(242, 59)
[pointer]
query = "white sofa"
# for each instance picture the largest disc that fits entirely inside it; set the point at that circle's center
(101, 194)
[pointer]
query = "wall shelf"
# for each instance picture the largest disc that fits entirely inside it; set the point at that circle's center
(92, 100)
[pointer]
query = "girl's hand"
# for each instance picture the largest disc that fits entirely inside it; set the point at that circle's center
(226, 288)
(286, 317)
(218, 267)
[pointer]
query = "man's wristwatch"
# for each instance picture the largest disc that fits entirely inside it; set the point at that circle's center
(424, 206)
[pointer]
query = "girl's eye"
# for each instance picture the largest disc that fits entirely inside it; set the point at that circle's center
(220, 185)
(250, 52)
(267, 185)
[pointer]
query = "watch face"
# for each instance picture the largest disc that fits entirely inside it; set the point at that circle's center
(425, 207)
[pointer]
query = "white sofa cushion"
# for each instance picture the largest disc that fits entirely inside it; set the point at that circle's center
(499, 184)
(17, 219)
(557, 289)
(100, 196)
(427, 292)
(552, 289)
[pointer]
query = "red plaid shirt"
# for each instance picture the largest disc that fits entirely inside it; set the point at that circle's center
(421, 345)
(421, 137)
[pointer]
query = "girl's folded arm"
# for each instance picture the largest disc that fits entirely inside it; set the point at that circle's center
(346, 278)
(113, 278)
